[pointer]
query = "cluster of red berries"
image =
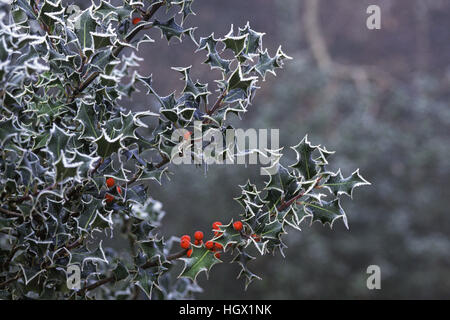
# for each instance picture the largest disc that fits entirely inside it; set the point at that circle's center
(110, 182)
(185, 241)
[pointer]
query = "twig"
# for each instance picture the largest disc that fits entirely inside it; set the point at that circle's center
(218, 103)
(6, 282)
(10, 213)
(96, 285)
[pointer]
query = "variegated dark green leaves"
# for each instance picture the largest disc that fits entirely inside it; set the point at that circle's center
(75, 162)
(63, 132)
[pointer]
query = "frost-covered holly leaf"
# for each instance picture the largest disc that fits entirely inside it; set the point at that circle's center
(239, 81)
(153, 250)
(196, 89)
(84, 24)
(131, 122)
(201, 260)
(234, 43)
(8, 129)
(215, 61)
(337, 184)
(170, 29)
(101, 60)
(254, 41)
(281, 181)
(243, 258)
(88, 214)
(66, 169)
(106, 145)
(266, 64)
(153, 174)
(120, 272)
(87, 117)
(208, 43)
(102, 40)
(305, 164)
(50, 13)
(86, 163)
(30, 273)
(59, 141)
(326, 211)
(82, 256)
(145, 279)
(185, 8)
(136, 194)
(270, 230)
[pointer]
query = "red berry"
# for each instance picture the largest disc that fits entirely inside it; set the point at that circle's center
(185, 244)
(187, 135)
(110, 182)
(216, 225)
(119, 190)
(189, 253)
(198, 235)
(109, 198)
(218, 246)
(238, 226)
(217, 255)
(188, 238)
(136, 20)
(209, 245)
(256, 237)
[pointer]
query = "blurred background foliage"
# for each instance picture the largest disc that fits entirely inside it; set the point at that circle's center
(380, 98)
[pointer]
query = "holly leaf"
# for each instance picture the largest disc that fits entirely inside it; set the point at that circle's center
(337, 184)
(84, 25)
(326, 212)
(201, 260)
(170, 29)
(66, 170)
(106, 145)
(87, 116)
(59, 141)
(305, 164)
(234, 43)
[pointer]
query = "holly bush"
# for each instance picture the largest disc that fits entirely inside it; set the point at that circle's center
(76, 163)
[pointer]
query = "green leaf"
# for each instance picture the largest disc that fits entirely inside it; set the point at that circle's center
(337, 184)
(106, 145)
(66, 170)
(170, 29)
(120, 272)
(326, 212)
(145, 279)
(254, 40)
(238, 81)
(201, 260)
(59, 141)
(87, 116)
(8, 129)
(84, 25)
(153, 250)
(243, 258)
(305, 162)
(234, 43)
